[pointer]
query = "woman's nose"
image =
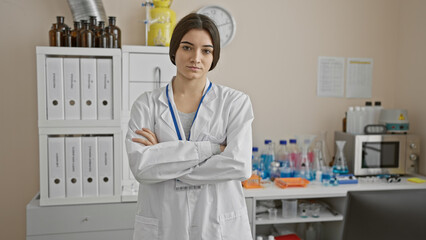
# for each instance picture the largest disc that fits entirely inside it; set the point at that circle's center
(196, 56)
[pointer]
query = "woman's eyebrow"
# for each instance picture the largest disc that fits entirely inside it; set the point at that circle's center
(189, 43)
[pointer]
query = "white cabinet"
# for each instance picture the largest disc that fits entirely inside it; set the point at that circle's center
(106, 221)
(262, 224)
(335, 196)
(79, 79)
(144, 69)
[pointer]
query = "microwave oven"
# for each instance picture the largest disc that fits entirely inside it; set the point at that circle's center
(380, 154)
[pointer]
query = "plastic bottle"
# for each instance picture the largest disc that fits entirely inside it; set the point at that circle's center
(350, 120)
(357, 118)
(267, 156)
(377, 109)
(270, 237)
(283, 157)
(294, 155)
(362, 120)
(259, 238)
(311, 234)
(255, 159)
(369, 109)
(282, 153)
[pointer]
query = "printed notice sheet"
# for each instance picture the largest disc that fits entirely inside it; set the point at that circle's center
(359, 77)
(331, 77)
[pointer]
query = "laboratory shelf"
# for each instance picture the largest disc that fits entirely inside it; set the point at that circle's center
(325, 216)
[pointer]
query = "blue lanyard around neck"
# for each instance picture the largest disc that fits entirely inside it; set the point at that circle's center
(173, 113)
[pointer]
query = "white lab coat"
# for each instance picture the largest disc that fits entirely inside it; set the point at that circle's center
(217, 210)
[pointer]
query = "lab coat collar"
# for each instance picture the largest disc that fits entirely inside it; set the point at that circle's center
(204, 113)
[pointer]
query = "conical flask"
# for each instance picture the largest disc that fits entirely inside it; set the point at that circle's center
(340, 165)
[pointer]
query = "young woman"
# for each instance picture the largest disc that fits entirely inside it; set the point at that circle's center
(189, 146)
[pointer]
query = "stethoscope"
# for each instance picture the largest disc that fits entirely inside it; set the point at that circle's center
(173, 113)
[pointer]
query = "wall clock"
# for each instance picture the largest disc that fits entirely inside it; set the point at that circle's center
(224, 21)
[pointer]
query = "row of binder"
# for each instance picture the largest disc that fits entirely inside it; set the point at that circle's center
(79, 88)
(80, 166)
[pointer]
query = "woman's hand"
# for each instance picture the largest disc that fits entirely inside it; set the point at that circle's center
(222, 148)
(151, 138)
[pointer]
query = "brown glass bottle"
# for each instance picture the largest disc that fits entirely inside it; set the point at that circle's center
(82, 22)
(87, 36)
(113, 29)
(61, 26)
(54, 36)
(75, 34)
(101, 37)
(67, 38)
(94, 28)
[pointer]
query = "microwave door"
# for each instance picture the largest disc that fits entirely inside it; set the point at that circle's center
(383, 156)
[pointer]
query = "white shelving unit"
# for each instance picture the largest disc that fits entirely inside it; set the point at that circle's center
(64, 127)
(144, 69)
(334, 196)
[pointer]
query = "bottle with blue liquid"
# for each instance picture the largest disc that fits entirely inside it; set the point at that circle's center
(283, 157)
(340, 165)
(255, 160)
(267, 157)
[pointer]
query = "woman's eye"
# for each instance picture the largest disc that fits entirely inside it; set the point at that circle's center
(186, 48)
(207, 51)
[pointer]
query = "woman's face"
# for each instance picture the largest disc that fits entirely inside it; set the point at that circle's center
(194, 56)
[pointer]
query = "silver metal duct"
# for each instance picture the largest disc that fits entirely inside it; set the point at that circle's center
(83, 9)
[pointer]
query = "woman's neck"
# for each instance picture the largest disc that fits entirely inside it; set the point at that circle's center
(184, 87)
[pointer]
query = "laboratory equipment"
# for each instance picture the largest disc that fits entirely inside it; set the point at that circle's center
(294, 153)
(304, 209)
(255, 158)
(272, 213)
(283, 157)
(315, 210)
(115, 40)
(381, 153)
(318, 162)
(267, 157)
(340, 166)
(289, 208)
(160, 22)
(304, 168)
(274, 170)
(395, 120)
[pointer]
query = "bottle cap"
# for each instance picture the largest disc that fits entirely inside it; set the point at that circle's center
(267, 141)
(255, 149)
(350, 109)
(377, 103)
(283, 142)
(368, 103)
(293, 141)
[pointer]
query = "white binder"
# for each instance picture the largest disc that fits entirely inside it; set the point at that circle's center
(104, 77)
(106, 166)
(89, 166)
(88, 88)
(54, 83)
(72, 88)
(73, 186)
(56, 161)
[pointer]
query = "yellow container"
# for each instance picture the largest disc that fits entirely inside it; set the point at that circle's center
(160, 34)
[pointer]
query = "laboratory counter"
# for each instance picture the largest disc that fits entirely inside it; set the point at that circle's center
(115, 220)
